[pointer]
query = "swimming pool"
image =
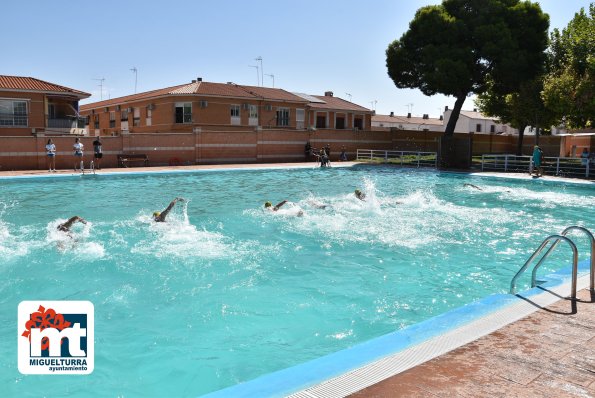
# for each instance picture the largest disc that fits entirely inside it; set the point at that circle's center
(225, 292)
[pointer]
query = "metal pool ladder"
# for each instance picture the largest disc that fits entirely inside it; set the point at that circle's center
(557, 239)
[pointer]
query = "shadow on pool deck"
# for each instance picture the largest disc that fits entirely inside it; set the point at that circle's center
(550, 353)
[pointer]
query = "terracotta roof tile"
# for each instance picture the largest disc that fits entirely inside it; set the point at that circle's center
(223, 90)
(32, 84)
(135, 97)
(274, 94)
(336, 103)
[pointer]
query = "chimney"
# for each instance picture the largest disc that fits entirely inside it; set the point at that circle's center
(199, 79)
(193, 81)
(425, 116)
(328, 93)
(445, 108)
(409, 115)
(392, 114)
(474, 109)
(441, 117)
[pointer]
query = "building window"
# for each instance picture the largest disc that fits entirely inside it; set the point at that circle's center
(96, 121)
(478, 128)
(253, 112)
(13, 113)
(283, 117)
(358, 122)
(112, 119)
(235, 115)
(183, 112)
(124, 115)
(340, 122)
(235, 110)
(320, 121)
(149, 119)
(492, 128)
(136, 117)
(300, 117)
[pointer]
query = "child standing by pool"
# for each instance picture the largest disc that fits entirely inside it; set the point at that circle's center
(50, 148)
(78, 153)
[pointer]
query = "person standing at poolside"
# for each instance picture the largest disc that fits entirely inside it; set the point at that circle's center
(537, 160)
(98, 152)
(78, 153)
(343, 155)
(585, 157)
(50, 148)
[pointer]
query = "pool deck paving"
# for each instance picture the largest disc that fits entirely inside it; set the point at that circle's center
(550, 353)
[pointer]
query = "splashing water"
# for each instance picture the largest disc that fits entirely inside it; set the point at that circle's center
(185, 306)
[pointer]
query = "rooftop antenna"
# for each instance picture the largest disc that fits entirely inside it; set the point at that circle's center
(101, 86)
(272, 77)
(135, 71)
(373, 103)
(259, 58)
(257, 74)
(409, 107)
(349, 95)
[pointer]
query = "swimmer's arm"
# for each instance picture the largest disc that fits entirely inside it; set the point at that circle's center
(279, 205)
(168, 209)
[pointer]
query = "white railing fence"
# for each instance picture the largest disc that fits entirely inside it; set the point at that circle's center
(566, 167)
(402, 158)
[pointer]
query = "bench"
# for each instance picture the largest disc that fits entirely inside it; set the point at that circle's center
(125, 159)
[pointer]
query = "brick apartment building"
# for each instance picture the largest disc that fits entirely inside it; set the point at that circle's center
(205, 106)
(30, 106)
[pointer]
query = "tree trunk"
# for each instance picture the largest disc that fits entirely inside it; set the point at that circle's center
(519, 147)
(454, 116)
(536, 135)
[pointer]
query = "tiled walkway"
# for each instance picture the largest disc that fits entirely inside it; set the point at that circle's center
(550, 353)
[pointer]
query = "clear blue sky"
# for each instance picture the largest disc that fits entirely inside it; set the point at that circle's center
(309, 46)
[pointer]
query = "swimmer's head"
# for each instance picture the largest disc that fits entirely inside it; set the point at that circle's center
(358, 192)
(267, 205)
(156, 214)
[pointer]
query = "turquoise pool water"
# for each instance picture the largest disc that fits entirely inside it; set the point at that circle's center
(225, 292)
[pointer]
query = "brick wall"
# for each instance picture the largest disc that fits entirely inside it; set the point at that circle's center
(235, 146)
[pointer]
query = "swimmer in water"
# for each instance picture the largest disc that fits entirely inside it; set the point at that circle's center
(65, 227)
(473, 186)
(269, 206)
(360, 195)
(317, 205)
(160, 216)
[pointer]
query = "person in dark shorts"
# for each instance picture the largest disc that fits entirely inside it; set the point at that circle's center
(78, 153)
(98, 152)
(51, 155)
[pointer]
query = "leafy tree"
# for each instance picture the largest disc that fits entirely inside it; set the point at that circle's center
(460, 47)
(569, 88)
(520, 109)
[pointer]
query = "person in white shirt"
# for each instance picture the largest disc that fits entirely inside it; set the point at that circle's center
(50, 148)
(78, 153)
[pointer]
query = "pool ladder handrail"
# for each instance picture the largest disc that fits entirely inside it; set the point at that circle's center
(558, 239)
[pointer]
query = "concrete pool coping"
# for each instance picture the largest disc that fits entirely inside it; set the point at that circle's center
(353, 369)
